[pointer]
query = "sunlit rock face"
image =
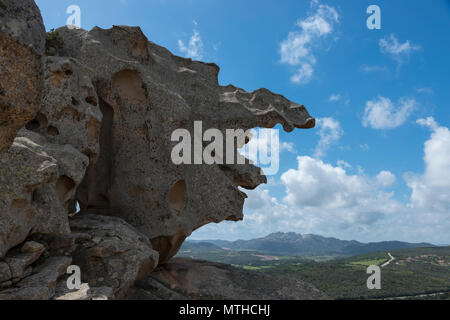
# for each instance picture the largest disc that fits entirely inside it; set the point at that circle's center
(87, 122)
(145, 93)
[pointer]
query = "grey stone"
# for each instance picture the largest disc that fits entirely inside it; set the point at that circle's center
(145, 93)
(41, 284)
(37, 181)
(22, 44)
(116, 252)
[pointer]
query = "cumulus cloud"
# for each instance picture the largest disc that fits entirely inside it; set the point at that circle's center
(324, 199)
(194, 49)
(383, 114)
(399, 51)
(318, 197)
(318, 184)
(330, 132)
(297, 50)
(431, 190)
(386, 178)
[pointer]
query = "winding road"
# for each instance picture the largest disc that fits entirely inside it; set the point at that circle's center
(388, 262)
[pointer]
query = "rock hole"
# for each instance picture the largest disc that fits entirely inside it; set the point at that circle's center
(130, 87)
(37, 123)
(91, 100)
(34, 196)
(167, 246)
(75, 102)
(53, 131)
(177, 197)
(74, 207)
(93, 191)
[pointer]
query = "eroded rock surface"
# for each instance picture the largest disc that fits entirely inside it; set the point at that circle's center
(41, 284)
(37, 181)
(69, 112)
(115, 256)
(145, 93)
(91, 127)
(202, 280)
(22, 45)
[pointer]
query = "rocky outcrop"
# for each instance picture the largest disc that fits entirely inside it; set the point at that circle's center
(37, 181)
(41, 284)
(202, 280)
(145, 93)
(17, 265)
(22, 45)
(69, 112)
(116, 254)
(88, 124)
(84, 293)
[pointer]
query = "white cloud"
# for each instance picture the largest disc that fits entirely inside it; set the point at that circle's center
(287, 146)
(383, 114)
(296, 50)
(364, 146)
(431, 190)
(386, 178)
(343, 164)
(330, 132)
(304, 74)
(428, 122)
(320, 199)
(400, 52)
(318, 184)
(329, 200)
(324, 199)
(335, 97)
(194, 49)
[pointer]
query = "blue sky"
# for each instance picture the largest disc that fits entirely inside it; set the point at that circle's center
(377, 167)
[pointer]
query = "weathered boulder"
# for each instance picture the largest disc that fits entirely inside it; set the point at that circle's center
(93, 123)
(69, 112)
(22, 44)
(145, 93)
(16, 264)
(203, 280)
(115, 256)
(37, 181)
(41, 284)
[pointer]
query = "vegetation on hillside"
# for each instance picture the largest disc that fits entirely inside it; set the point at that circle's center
(420, 273)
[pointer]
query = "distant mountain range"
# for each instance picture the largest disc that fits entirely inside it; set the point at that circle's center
(298, 244)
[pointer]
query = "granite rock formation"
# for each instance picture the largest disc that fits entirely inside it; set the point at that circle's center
(145, 93)
(22, 45)
(87, 123)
